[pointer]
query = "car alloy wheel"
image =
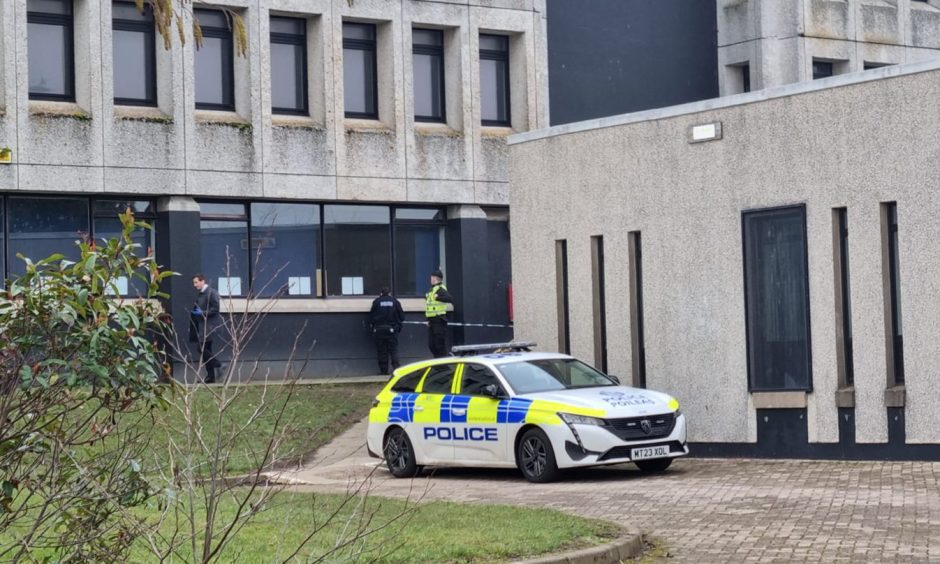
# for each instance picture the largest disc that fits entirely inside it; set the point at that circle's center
(399, 455)
(535, 457)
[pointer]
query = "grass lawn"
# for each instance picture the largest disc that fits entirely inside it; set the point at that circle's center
(405, 532)
(313, 415)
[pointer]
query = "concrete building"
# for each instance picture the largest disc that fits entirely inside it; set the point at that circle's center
(769, 258)
(354, 145)
(765, 43)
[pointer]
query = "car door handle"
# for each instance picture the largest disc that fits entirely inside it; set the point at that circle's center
(459, 411)
(419, 408)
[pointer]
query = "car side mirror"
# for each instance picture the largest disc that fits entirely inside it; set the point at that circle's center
(491, 390)
(614, 378)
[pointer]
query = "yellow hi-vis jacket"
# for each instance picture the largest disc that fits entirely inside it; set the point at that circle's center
(433, 307)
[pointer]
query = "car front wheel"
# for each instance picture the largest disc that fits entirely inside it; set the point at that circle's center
(535, 457)
(653, 466)
(399, 454)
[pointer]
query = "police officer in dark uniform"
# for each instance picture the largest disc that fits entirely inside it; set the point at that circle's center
(435, 311)
(385, 318)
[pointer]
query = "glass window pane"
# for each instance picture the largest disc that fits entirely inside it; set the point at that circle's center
(49, 48)
(221, 208)
(285, 249)
(439, 379)
(419, 214)
(40, 227)
(132, 58)
(777, 299)
(432, 37)
(50, 6)
(225, 256)
(110, 228)
(287, 76)
(417, 253)
(138, 207)
(475, 378)
(129, 11)
(359, 81)
(211, 18)
(214, 70)
(363, 32)
(494, 90)
(428, 86)
(494, 42)
(357, 249)
(294, 26)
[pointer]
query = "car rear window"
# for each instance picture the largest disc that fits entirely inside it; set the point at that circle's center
(409, 382)
(439, 379)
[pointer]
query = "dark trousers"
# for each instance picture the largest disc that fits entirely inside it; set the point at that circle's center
(209, 360)
(386, 345)
(437, 336)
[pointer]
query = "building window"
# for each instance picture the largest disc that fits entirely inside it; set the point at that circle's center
(215, 64)
(360, 76)
(868, 65)
(285, 249)
(419, 248)
(599, 303)
(843, 298)
(895, 340)
(746, 77)
(638, 341)
(107, 225)
(357, 249)
(428, 52)
(494, 80)
(776, 294)
(225, 255)
(134, 56)
(561, 295)
(822, 69)
(40, 227)
(50, 50)
(289, 66)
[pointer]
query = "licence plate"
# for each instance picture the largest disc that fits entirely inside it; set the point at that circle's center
(643, 453)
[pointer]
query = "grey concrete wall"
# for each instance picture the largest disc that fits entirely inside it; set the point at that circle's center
(780, 38)
(92, 146)
(854, 141)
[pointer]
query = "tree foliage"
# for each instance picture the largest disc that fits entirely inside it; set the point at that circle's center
(78, 363)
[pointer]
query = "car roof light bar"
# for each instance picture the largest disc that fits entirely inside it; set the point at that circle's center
(511, 346)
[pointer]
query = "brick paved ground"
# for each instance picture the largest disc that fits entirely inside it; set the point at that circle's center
(703, 510)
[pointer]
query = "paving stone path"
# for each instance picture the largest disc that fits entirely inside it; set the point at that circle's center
(701, 510)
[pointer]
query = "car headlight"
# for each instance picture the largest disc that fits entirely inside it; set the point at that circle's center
(674, 405)
(572, 419)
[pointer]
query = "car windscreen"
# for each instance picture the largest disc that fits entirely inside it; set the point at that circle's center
(550, 374)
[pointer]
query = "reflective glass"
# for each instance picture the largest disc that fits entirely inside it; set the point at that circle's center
(225, 259)
(359, 81)
(357, 258)
(129, 11)
(494, 42)
(110, 228)
(494, 90)
(419, 214)
(214, 72)
(285, 249)
(63, 7)
(428, 86)
(133, 53)
(362, 32)
(417, 253)
(50, 59)
(40, 227)
(221, 208)
(292, 26)
(287, 76)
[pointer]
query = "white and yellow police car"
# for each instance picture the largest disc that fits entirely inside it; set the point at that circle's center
(503, 406)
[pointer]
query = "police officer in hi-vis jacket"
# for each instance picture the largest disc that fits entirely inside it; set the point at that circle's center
(436, 301)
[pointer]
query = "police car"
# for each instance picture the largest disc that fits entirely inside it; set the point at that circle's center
(502, 405)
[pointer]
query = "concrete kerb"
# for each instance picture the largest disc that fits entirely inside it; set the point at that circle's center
(628, 545)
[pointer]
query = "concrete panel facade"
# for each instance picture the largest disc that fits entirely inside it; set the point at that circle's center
(855, 141)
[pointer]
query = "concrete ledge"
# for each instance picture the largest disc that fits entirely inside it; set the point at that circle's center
(313, 305)
(779, 400)
(628, 545)
(845, 397)
(895, 396)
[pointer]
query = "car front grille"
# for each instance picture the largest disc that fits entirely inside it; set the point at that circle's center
(633, 429)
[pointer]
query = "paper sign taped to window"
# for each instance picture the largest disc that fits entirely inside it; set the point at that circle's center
(352, 285)
(298, 285)
(230, 286)
(120, 285)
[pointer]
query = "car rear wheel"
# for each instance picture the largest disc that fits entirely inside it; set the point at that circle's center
(535, 457)
(653, 466)
(399, 454)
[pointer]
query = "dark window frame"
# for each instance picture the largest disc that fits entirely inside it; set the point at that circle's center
(436, 51)
(66, 21)
(752, 388)
(370, 45)
(896, 353)
(499, 55)
(846, 358)
(228, 46)
(281, 38)
(147, 28)
(829, 66)
(746, 77)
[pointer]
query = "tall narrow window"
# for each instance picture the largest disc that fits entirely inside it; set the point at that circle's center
(360, 76)
(600, 305)
(637, 341)
(50, 50)
(561, 293)
(224, 239)
(494, 80)
(419, 248)
(428, 56)
(895, 339)
(843, 298)
(776, 299)
(107, 225)
(285, 249)
(289, 66)
(215, 65)
(746, 77)
(357, 249)
(135, 65)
